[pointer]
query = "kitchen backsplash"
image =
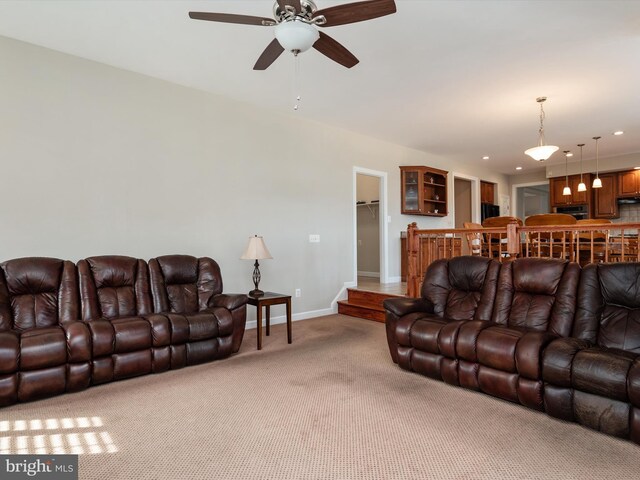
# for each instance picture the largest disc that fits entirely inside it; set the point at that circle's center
(629, 214)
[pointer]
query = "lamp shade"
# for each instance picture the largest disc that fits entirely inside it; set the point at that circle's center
(566, 191)
(295, 35)
(256, 249)
(582, 187)
(597, 183)
(541, 152)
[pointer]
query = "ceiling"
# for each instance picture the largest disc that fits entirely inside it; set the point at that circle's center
(454, 78)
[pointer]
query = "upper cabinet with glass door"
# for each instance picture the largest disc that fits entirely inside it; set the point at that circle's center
(424, 191)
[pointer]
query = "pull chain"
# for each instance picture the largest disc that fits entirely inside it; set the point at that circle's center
(296, 80)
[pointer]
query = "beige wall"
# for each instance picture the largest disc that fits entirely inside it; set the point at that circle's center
(367, 188)
(97, 160)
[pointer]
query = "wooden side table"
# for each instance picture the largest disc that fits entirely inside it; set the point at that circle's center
(266, 300)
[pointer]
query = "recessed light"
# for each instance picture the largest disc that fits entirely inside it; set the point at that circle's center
(618, 132)
(569, 154)
(636, 168)
(518, 168)
(486, 157)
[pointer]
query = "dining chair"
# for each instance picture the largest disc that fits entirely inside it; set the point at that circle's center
(475, 240)
(550, 244)
(594, 246)
(497, 242)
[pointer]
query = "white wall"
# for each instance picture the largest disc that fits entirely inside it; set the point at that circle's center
(97, 160)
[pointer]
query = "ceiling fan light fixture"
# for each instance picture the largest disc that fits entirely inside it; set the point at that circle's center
(296, 36)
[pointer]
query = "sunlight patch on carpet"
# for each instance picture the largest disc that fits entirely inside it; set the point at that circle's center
(79, 441)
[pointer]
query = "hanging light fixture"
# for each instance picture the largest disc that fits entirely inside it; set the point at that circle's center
(542, 152)
(566, 191)
(597, 183)
(581, 186)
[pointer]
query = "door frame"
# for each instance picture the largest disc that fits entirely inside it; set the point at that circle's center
(514, 193)
(383, 224)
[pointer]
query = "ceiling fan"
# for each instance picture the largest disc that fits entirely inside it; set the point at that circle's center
(295, 27)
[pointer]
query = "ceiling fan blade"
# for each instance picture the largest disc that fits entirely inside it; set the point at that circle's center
(232, 18)
(335, 51)
(294, 3)
(356, 12)
(270, 54)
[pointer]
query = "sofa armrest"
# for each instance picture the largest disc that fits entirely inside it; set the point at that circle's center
(228, 301)
(405, 306)
(78, 341)
(558, 359)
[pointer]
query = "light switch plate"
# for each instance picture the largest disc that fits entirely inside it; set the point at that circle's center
(314, 238)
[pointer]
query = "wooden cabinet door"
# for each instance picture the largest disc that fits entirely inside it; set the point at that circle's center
(487, 192)
(579, 198)
(411, 191)
(556, 197)
(628, 183)
(605, 203)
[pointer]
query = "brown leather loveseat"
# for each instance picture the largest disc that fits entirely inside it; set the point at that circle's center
(64, 328)
(483, 325)
(540, 332)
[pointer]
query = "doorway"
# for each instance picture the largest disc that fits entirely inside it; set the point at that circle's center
(466, 205)
(531, 199)
(370, 249)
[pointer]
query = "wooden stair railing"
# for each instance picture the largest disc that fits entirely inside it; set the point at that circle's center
(584, 243)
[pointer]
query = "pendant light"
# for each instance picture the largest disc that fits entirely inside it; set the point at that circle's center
(581, 186)
(566, 191)
(542, 152)
(597, 183)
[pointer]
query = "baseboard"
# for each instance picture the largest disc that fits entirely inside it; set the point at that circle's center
(294, 318)
(342, 295)
(369, 274)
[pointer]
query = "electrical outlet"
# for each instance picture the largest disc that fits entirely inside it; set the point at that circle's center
(298, 293)
(315, 238)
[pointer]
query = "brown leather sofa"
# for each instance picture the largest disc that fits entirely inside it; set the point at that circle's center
(541, 332)
(594, 378)
(64, 328)
(483, 325)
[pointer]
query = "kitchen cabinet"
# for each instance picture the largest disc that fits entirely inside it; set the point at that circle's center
(605, 199)
(556, 186)
(487, 192)
(628, 183)
(424, 191)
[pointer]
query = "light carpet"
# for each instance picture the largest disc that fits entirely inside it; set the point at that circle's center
(330, 406)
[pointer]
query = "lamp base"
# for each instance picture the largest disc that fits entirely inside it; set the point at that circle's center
(256, 293)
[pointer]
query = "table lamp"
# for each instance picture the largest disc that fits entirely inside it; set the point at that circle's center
(256, 250)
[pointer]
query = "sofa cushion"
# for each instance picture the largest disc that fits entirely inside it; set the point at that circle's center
(461, 288)
(42, 347)
(537, 294)
(608, 306)
(602, 372)
(183, 284)
(37, 292)
(114, 286)
(9, 352)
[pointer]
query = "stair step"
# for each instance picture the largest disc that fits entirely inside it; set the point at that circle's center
(361, 311)
(366, 298)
